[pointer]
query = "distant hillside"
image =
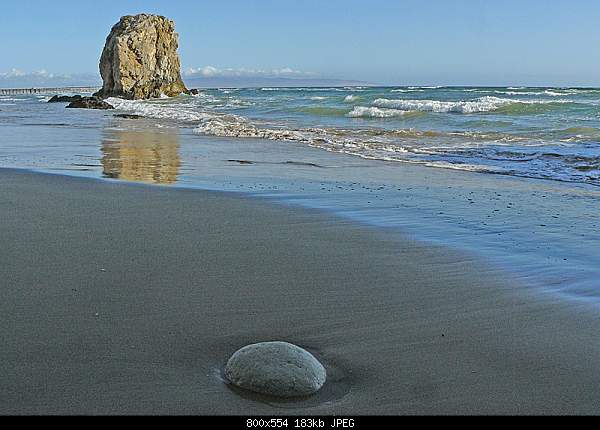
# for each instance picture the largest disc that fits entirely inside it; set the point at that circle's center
(41, 80)
(245, 82)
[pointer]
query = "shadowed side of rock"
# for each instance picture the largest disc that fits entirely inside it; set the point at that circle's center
(140, 60)
(90, 103)
(64, 99)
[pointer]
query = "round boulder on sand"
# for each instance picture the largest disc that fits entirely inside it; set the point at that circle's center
(276, 368)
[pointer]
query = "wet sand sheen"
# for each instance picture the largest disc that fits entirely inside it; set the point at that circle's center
(122, 298)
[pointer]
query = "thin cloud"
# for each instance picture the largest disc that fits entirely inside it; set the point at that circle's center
(214, 72)
(19, 78)
(43, 73)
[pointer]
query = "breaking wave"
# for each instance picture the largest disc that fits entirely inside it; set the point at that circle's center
(482, 104)
(486, 144)
(375, 112)
(175, 112)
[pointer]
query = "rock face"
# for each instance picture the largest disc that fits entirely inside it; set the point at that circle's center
(128, 116)
(140, 60)
(276, 368)
(90, 103)
(64, 99)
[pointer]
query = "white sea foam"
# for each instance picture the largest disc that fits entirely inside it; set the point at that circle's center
(209, 98)
(405, 145)
(425, 87)
(483, 104)
(301, 89)
(175, 112)
(552, 93)
(211, 123)
(521, 93)
(375, 112)
(462, 166)
(350, 98)
(556, 92)
(407, 90)
(227, 125)
(230, 127)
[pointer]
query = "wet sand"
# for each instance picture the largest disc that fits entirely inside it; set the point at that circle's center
(123, 298)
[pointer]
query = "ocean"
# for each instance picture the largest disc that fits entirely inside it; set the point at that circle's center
(550, 133)
(510, 174)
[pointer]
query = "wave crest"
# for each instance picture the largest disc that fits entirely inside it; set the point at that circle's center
(480, 105)
(483, 104)
(375, 112)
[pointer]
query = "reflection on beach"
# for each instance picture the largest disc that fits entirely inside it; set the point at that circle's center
(143, 156)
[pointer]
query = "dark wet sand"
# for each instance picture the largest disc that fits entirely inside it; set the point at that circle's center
(123, 298)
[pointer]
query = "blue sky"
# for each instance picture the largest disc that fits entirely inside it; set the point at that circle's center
(460, 42)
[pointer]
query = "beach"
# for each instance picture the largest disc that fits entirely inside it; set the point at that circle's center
(299, 214)
(123, 298)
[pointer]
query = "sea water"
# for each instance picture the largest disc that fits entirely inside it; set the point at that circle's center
(510, 174)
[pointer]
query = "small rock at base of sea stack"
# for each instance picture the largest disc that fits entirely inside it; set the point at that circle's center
(90, 103)
(140, 60)
(276, 368)
(64, 99)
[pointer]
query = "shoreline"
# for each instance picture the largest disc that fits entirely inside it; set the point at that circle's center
(522, 232)
(550, 243)
(122, 298)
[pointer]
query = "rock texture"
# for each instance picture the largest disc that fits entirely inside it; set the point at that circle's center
(64, 99)
(140, 60)
(128, 116)
(90, 103)
(276, 368)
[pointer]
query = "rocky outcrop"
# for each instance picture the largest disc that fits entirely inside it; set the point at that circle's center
(128, 116)
(90, 103)
(140, 60)
(64, 99)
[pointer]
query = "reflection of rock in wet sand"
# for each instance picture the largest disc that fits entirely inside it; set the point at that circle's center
(145, 156)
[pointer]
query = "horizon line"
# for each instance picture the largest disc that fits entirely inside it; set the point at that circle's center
(432, 86)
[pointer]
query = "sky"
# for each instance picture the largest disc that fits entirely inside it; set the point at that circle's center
(400, 42)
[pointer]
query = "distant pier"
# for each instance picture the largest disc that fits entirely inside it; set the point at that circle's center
(57, 90)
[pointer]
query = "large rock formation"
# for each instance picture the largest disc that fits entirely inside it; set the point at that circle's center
(140, 59)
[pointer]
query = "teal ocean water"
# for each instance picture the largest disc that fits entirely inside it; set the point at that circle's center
(507, 174)
(551, 133)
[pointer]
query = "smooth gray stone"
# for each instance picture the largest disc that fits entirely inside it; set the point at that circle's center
(276, 368)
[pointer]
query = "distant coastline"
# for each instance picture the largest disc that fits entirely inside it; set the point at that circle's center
(85, 80)
(227, 82)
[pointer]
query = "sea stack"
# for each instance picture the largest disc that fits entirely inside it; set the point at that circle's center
(140, 60)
